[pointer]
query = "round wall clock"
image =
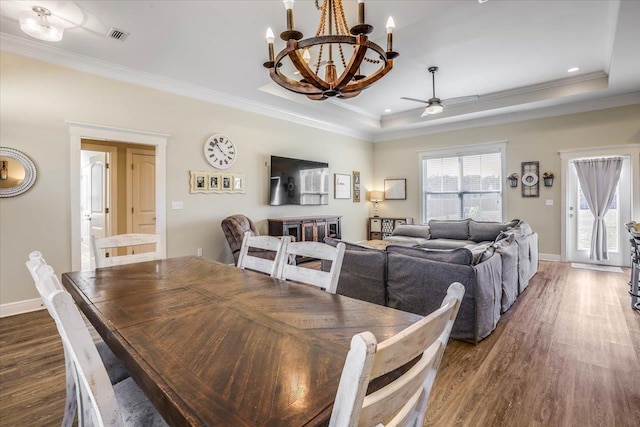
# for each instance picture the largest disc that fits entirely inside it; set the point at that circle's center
(220, 151)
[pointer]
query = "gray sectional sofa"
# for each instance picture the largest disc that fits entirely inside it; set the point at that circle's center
(415, 270)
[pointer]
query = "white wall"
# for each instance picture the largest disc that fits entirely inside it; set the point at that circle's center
(531, 140)
(36, 101)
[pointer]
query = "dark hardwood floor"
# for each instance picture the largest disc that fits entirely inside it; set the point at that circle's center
(566, 354)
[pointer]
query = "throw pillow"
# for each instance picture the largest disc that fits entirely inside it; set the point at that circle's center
(412, 231)
(481, 231)
(449, 229)
(460, 256)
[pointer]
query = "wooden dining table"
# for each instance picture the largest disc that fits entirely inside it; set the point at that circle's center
(211, 344)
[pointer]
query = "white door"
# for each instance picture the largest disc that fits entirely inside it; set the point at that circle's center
(142, 195)
(94, 203)
(580, 220)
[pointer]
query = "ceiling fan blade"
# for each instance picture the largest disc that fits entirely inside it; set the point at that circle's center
(415, 100)
(459, 100)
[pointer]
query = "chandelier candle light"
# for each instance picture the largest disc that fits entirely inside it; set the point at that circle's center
(353, 78)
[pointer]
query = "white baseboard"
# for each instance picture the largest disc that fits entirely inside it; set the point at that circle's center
(550, 257)
(19, 307)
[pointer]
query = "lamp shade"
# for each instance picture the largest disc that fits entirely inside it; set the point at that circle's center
(376, 196)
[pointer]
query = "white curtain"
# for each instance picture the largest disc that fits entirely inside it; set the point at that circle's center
(598, 181)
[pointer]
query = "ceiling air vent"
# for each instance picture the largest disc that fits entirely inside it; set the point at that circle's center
(117, 34)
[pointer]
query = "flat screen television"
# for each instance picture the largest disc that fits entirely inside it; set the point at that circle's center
(298, 182)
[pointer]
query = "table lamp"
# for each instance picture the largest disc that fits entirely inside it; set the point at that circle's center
(376, 196)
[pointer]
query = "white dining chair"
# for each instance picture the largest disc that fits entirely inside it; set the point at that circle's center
(39, 270)
(267, 243)
(402, 402)
(34, 263)
(121, 241)
(99, 403)
(328, 280)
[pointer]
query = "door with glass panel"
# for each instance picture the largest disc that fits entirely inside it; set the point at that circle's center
(579, 220)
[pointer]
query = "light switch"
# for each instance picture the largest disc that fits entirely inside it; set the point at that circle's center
(177, 205)
(549, 202)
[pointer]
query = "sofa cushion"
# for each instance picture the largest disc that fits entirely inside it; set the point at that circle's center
(446, 244)
(456, 256)
(363, 272)
(449, 229)
(419, 285)
(412, 231)
(508, 250)
(405, 240)
(481, 252)
(486, 230)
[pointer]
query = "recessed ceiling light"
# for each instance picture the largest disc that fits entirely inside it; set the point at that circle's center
(573, 69)
(388, 110)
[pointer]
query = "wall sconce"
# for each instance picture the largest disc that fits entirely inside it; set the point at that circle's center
(376, 196)
(4, 171)
(547, 177)
(513, 180)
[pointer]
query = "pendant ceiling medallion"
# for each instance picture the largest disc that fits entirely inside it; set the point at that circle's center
(345, 77)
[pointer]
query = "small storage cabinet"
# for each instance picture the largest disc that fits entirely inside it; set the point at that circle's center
(379, 228)
(308, 228)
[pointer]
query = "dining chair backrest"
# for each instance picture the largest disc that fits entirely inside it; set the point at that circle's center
(327, 280)
(267, 243)
(402, 402)
(98, 404)
(34, 263)
(121, 241)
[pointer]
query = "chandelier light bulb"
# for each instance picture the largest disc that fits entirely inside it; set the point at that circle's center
(270, 36)
(288, 4)
(390, 25)
(306, 56)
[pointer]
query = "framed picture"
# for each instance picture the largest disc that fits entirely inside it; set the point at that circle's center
(227, 182)
(341, 186)
(238, 183)
(356, 187)
(199, 182)
(395, 189)
(214, 182)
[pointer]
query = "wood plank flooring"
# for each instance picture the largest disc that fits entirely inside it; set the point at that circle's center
(566, 354)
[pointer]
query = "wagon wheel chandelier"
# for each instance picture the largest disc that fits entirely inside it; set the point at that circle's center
(333, 33)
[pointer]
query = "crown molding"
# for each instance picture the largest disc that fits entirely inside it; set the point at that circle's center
(519, 116)
(65, 58)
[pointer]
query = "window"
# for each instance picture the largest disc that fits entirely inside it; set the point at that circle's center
(463, 183)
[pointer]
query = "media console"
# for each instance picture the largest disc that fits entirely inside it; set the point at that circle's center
(307, 228)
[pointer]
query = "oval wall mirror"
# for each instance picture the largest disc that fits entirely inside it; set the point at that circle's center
(17, 172)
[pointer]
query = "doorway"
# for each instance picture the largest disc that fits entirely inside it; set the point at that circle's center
(107, 136)
(117, 194)
(578, 219)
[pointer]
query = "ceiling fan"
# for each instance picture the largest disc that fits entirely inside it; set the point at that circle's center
(436, 105)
